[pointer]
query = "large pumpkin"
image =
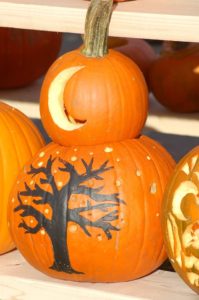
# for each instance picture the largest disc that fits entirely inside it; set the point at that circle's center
(174, 77)
(19, 141)
(181, 219)
(25, 55)
(92, 213)
(92, 95)
(138, 50)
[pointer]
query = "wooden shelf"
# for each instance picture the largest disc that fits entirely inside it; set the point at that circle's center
(18, 280)
(153, 19)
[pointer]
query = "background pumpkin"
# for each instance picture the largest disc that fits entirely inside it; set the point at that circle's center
(180, 219)
(25, 55)
(19, 141)
(140, 51)
(174, 77)
(92, 213)
(92, 95)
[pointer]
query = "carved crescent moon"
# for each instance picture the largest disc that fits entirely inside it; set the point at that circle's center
(185, 188)
(56, 100)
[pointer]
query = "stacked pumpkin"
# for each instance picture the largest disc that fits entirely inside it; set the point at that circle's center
(88, 206)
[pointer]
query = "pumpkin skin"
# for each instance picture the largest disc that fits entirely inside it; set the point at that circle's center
(174, 78)
(25, 55)
(20, 139)
(102, 99)
(138, 50)
(180, 219)
(112, 231)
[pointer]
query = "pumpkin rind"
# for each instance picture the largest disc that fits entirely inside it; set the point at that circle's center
(136, 49)
(108, 94)
(181, 219)
(174, 79)
(109, 197)
(19, 141)
(92, 95)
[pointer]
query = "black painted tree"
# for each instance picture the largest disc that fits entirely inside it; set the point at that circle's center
(58, 199)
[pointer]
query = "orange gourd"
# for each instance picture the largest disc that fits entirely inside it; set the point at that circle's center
(138, 50)
(174, 77)
(19, 141)
(25, 55)
(90, 211)
(92, 96)
(181, 219)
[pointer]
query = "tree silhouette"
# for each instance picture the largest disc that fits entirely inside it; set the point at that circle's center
(58, 200)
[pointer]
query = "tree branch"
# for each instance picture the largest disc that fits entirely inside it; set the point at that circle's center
(29, 229)
(37, 191)
(93, 194)
(47, 171)
(103, 222)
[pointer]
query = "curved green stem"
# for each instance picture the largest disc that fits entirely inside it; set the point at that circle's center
(96, 28)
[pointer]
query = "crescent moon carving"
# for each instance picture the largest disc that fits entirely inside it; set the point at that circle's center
(185, 188)
(56, 100)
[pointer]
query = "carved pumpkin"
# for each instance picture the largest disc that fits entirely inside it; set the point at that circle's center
(19, 141)
(92, 213)
(92, 95)
(25, 55)
(174, 77)
(181, 219)
(138, 50)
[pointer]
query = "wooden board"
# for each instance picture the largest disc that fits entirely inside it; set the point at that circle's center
(152, 19)
(18, 280)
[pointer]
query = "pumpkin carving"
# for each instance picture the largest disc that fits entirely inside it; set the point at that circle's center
(91, 212)
(181, 219)
(19, 141)
(174, 77)
(25, 55)
(92, 96)
(138, 50)
(78, 212)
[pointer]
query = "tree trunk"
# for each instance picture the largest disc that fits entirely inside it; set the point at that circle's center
(58, 233)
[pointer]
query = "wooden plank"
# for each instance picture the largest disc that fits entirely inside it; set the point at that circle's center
(152, 19)
(18, 280)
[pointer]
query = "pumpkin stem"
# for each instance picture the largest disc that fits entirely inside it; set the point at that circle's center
(96, 28)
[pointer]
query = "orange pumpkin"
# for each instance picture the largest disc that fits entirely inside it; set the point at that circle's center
(181, 219)
(25, 55)
(19, 141)
(92, 213)
(138, 50)
(92, 95)
(174, 77)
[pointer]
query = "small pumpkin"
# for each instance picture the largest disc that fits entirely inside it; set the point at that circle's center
(181, 219)
(25, 55)
(92, 213)
(19, 141)
(92, 95)
(174, 77)
(138, 50)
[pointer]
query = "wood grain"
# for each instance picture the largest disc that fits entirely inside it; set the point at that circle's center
(152, 19)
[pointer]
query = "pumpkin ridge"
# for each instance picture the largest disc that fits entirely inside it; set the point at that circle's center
(156, 166)
(153, 160)
(6, 121)
(17, 123)
(134, 159)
